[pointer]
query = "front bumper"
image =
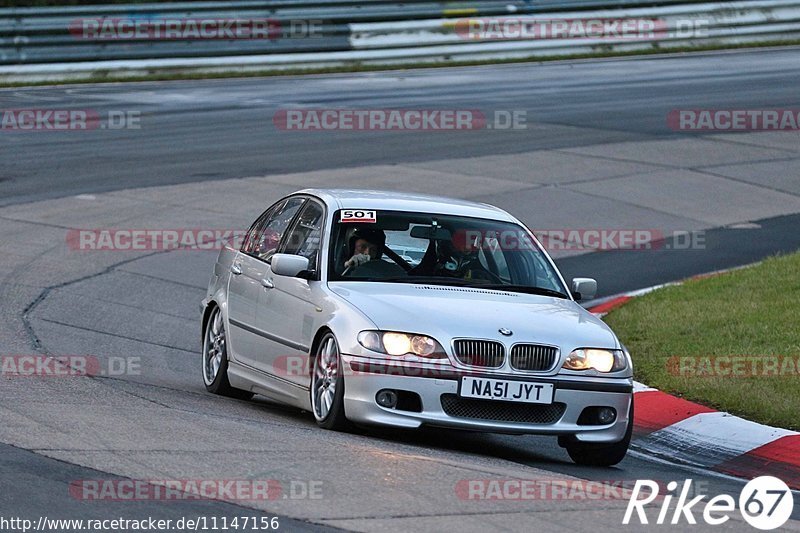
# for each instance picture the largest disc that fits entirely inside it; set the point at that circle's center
(365, 378)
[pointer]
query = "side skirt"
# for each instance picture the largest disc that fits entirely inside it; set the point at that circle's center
(274, 387)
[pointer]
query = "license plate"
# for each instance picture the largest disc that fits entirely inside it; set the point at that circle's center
(510, 391)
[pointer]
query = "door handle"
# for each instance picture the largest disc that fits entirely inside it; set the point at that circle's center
(236, 269)
(267, 283)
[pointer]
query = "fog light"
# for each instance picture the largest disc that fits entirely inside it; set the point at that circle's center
(386, 398)
(597, 416)
(606, 415)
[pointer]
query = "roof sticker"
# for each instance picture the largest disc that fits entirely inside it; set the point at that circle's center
(358, 216)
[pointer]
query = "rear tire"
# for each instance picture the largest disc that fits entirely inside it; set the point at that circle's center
(599, 454)
(215, 359)
(327, 386)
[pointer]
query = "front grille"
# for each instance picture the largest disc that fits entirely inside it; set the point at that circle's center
(487, 354)
(527, 413)
(533, 357)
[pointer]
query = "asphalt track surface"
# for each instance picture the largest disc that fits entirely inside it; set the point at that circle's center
(218, 129)
(201, 137)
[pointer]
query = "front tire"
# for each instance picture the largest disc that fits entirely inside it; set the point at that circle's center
(598, 454)
(215, 359)
(327, 386)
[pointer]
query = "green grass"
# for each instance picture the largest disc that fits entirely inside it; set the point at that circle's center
(113, 77)
(753, 312)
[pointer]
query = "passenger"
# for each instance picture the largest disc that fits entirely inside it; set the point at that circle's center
(460, 263)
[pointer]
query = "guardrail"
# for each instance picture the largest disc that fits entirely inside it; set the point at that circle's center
(40, 35)
(80, 41)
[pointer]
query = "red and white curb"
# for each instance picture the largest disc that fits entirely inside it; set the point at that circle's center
(685, 432)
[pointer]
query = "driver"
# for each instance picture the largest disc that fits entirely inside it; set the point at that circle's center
(362, 251)
(366, 249)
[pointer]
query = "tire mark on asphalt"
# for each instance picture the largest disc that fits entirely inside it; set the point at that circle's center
(150, 276)
(704, 170)
(131, 306)
(44, 470)
(115, 335)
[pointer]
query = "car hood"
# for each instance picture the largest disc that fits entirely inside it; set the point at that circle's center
(447, 312)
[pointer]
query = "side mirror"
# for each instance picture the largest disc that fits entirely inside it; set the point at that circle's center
(288, 265)
(584, 288)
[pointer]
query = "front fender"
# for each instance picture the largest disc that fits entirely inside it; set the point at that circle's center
(345, 321)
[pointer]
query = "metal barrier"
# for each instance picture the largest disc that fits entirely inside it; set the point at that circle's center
(42, 35)
(52, 43)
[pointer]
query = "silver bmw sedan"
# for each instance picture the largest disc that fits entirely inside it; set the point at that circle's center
(319, 308)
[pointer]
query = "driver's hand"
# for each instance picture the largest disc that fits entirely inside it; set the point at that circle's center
(356, 260)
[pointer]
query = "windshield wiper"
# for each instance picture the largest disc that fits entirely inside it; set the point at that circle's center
(523, 288)
(428, 280)
(460, 282)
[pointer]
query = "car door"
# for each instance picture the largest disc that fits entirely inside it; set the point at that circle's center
(248, 274)
(289, 307)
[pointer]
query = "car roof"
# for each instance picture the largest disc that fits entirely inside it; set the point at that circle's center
(404, 201)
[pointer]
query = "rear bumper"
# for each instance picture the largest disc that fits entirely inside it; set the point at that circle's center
(363, 381)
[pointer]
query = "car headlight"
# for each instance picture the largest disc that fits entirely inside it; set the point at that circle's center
(397, 343)
(598, 359)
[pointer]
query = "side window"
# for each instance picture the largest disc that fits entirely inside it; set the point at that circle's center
(265, 237)
(305, 238)
(249, 239)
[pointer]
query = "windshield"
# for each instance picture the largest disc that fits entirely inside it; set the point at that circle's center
(401, 247)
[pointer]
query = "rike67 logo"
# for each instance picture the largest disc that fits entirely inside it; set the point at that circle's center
(765, 503)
